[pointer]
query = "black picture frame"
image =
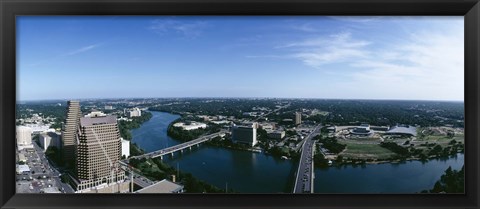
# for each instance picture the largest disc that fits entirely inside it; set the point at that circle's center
(9, 9)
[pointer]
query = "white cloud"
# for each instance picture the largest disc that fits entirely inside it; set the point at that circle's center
(425, 64)
(326, 50)
(187, 29)
(83, 49)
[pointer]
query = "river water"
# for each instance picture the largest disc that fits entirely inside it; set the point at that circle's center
(248, 172)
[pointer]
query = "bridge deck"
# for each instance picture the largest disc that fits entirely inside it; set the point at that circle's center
(304, 176)
(178, 147)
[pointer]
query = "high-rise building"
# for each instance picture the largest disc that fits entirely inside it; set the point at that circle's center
(245, 134)
(98, 153)
(125, 148)
(69, 136)
(298, 118)
(49, 139)
(24, 135)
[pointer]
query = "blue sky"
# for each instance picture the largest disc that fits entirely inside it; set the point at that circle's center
(74, 57)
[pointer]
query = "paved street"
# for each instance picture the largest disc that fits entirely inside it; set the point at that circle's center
(42, 174)
(305, 175)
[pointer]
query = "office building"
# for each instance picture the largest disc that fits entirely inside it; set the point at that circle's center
(276, 134)
(98, 153)
(24, 135)
(69, 137)
(298, 118)
(245, 134)
(135, 112)
(49, 139)
(125, 148)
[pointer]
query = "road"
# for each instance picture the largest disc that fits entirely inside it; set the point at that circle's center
(43, 174)
(304, 176)
(178, 147)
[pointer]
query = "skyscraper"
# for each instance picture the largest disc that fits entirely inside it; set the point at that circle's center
(298, 118)
(98, 152)
(70, 128)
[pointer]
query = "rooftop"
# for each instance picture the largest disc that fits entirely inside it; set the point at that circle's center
(163, 186)
(412, 130)
(87, 121)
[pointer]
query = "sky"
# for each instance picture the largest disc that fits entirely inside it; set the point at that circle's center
(337, 57)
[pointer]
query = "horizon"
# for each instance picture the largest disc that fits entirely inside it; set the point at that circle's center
(366, 58)
(246, 98)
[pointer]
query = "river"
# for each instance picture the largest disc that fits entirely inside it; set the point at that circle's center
(249, 172)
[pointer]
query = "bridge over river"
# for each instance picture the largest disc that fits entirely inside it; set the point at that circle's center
(178, 147)
(305, 175)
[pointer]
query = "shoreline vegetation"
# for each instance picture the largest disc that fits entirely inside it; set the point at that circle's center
(429, 151)
(452, 181)
(125, 127)
(155, 169)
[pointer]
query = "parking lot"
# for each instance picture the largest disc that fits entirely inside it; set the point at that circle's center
(42, 177)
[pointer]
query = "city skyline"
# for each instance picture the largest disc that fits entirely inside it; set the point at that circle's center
(416, 58)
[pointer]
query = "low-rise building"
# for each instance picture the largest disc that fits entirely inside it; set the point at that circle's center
(362, 130)
(163, 186)
(403, 130)
(22, 158)
(38, 128)
(219, 122)
(332, 129)
(267, 126)
(23, 169)
(276, 134)
(190, 125)
(95, 113)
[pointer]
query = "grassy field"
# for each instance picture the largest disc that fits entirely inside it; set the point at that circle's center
(366, 151)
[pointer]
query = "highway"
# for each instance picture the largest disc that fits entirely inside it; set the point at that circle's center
(304, 176)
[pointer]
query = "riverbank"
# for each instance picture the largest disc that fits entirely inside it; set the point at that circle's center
(251, 172)
(156, 170)
(126, 126)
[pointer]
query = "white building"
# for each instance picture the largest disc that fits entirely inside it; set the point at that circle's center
(95, 113)
(125, 148)
(219, 122)
(24, 135)
(190, 126)
(22, 169)
(38, 128)
(22, 158)
(49, 139)
(163, 186)
(108, 107)
(135, 112)
(267, 126)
